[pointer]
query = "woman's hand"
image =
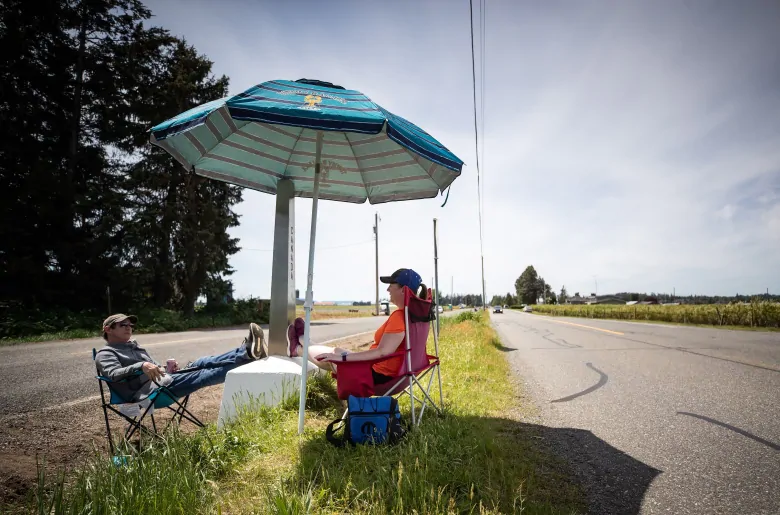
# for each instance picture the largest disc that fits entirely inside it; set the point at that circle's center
(328, 357)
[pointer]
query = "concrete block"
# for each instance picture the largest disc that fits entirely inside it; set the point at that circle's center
(263, 382)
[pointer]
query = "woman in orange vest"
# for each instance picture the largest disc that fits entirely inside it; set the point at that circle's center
(389, 338)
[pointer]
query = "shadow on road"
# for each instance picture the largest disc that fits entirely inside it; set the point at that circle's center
(558, 468)
(613, 481)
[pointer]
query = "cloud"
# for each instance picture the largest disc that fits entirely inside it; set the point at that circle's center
(637, 142)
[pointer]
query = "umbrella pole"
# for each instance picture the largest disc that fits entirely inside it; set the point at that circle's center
(309, 303)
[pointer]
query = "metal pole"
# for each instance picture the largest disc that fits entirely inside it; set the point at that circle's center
(376, 258)
(309, 303)
(484, 300)
(108, 298)
(436, 271)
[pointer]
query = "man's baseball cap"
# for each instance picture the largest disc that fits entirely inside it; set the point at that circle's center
(404, 277)
(119, 317)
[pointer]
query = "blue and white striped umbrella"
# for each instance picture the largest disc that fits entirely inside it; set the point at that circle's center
(269, 132)
(332, 143)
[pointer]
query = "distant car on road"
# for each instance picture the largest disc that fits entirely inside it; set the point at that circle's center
(527, 309)
(498, 309)
(440, 309)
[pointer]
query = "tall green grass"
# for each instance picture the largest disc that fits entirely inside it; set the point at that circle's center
(177, 474)
(475, 458)
(757, 314)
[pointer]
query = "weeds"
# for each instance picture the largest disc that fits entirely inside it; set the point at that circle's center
(473, 459)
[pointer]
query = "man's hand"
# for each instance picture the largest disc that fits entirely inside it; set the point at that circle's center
(328, 357)
(152, 371)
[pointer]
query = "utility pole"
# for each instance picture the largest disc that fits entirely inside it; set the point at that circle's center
(597, 286)
(484, 300)
(376, 258)
(436, 272)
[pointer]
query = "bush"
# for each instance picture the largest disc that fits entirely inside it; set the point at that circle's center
(33, 323)
(469, 316)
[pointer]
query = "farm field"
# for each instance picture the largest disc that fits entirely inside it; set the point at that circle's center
(756, 315)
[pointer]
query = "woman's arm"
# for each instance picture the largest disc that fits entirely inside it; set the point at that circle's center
(387, 345)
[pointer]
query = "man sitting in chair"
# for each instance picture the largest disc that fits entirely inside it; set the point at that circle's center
(389, 338)
(123, 359)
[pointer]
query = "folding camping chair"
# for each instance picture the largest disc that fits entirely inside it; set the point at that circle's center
(135, 413)
(355, 377)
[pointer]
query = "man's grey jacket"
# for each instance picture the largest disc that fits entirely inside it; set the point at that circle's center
(123, 362)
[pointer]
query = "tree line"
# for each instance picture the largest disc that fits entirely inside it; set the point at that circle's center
(91, 212)
(531, 288)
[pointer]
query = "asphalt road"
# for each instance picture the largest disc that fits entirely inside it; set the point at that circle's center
(40, 375)
(655, 418)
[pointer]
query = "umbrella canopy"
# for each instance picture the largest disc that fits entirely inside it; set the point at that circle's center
(331, 142)
(269, 132)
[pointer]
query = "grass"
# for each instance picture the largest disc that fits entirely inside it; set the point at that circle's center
(761, 316)
(37, 326)
(175, 322)
(679, 324)
(476, 458)
(329, 312)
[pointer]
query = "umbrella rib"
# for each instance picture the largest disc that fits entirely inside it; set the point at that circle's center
(416, 158)
(289, 157)
(357, 163)
(198, 144)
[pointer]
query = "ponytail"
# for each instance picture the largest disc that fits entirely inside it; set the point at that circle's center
(423, 292)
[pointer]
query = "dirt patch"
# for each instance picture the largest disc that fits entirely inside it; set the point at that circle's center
(64, 436)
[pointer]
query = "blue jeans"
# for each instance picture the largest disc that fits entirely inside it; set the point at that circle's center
(213, 370)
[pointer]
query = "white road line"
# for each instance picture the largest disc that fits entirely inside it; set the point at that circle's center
(146, 345)
(344, 338)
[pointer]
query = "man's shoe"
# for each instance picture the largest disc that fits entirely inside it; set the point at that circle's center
(294, 334)
(255, 344)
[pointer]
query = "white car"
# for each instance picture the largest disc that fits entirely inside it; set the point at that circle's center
(440, 309)
(527, 309)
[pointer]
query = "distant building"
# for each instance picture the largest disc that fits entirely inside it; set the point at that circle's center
(605, 299)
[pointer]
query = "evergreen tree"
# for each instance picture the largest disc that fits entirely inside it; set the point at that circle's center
(179, 220)
(528, 287)
(87, 203)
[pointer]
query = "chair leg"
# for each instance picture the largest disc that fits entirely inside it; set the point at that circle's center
(184, 412)
(108, 431)
(441, 390)
(411, 401)
(105, 416)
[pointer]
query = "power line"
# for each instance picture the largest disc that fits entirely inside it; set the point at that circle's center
(476, 133)
(318, 248)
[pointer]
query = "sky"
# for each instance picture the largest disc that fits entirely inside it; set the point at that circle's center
(628, 146)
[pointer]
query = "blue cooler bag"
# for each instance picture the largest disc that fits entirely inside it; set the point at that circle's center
(370, 420)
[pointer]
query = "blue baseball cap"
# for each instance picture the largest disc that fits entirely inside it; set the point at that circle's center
(405, 277)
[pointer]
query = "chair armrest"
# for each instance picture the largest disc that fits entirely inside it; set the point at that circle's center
(356, 377)
(109, 381)
(352, 365)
